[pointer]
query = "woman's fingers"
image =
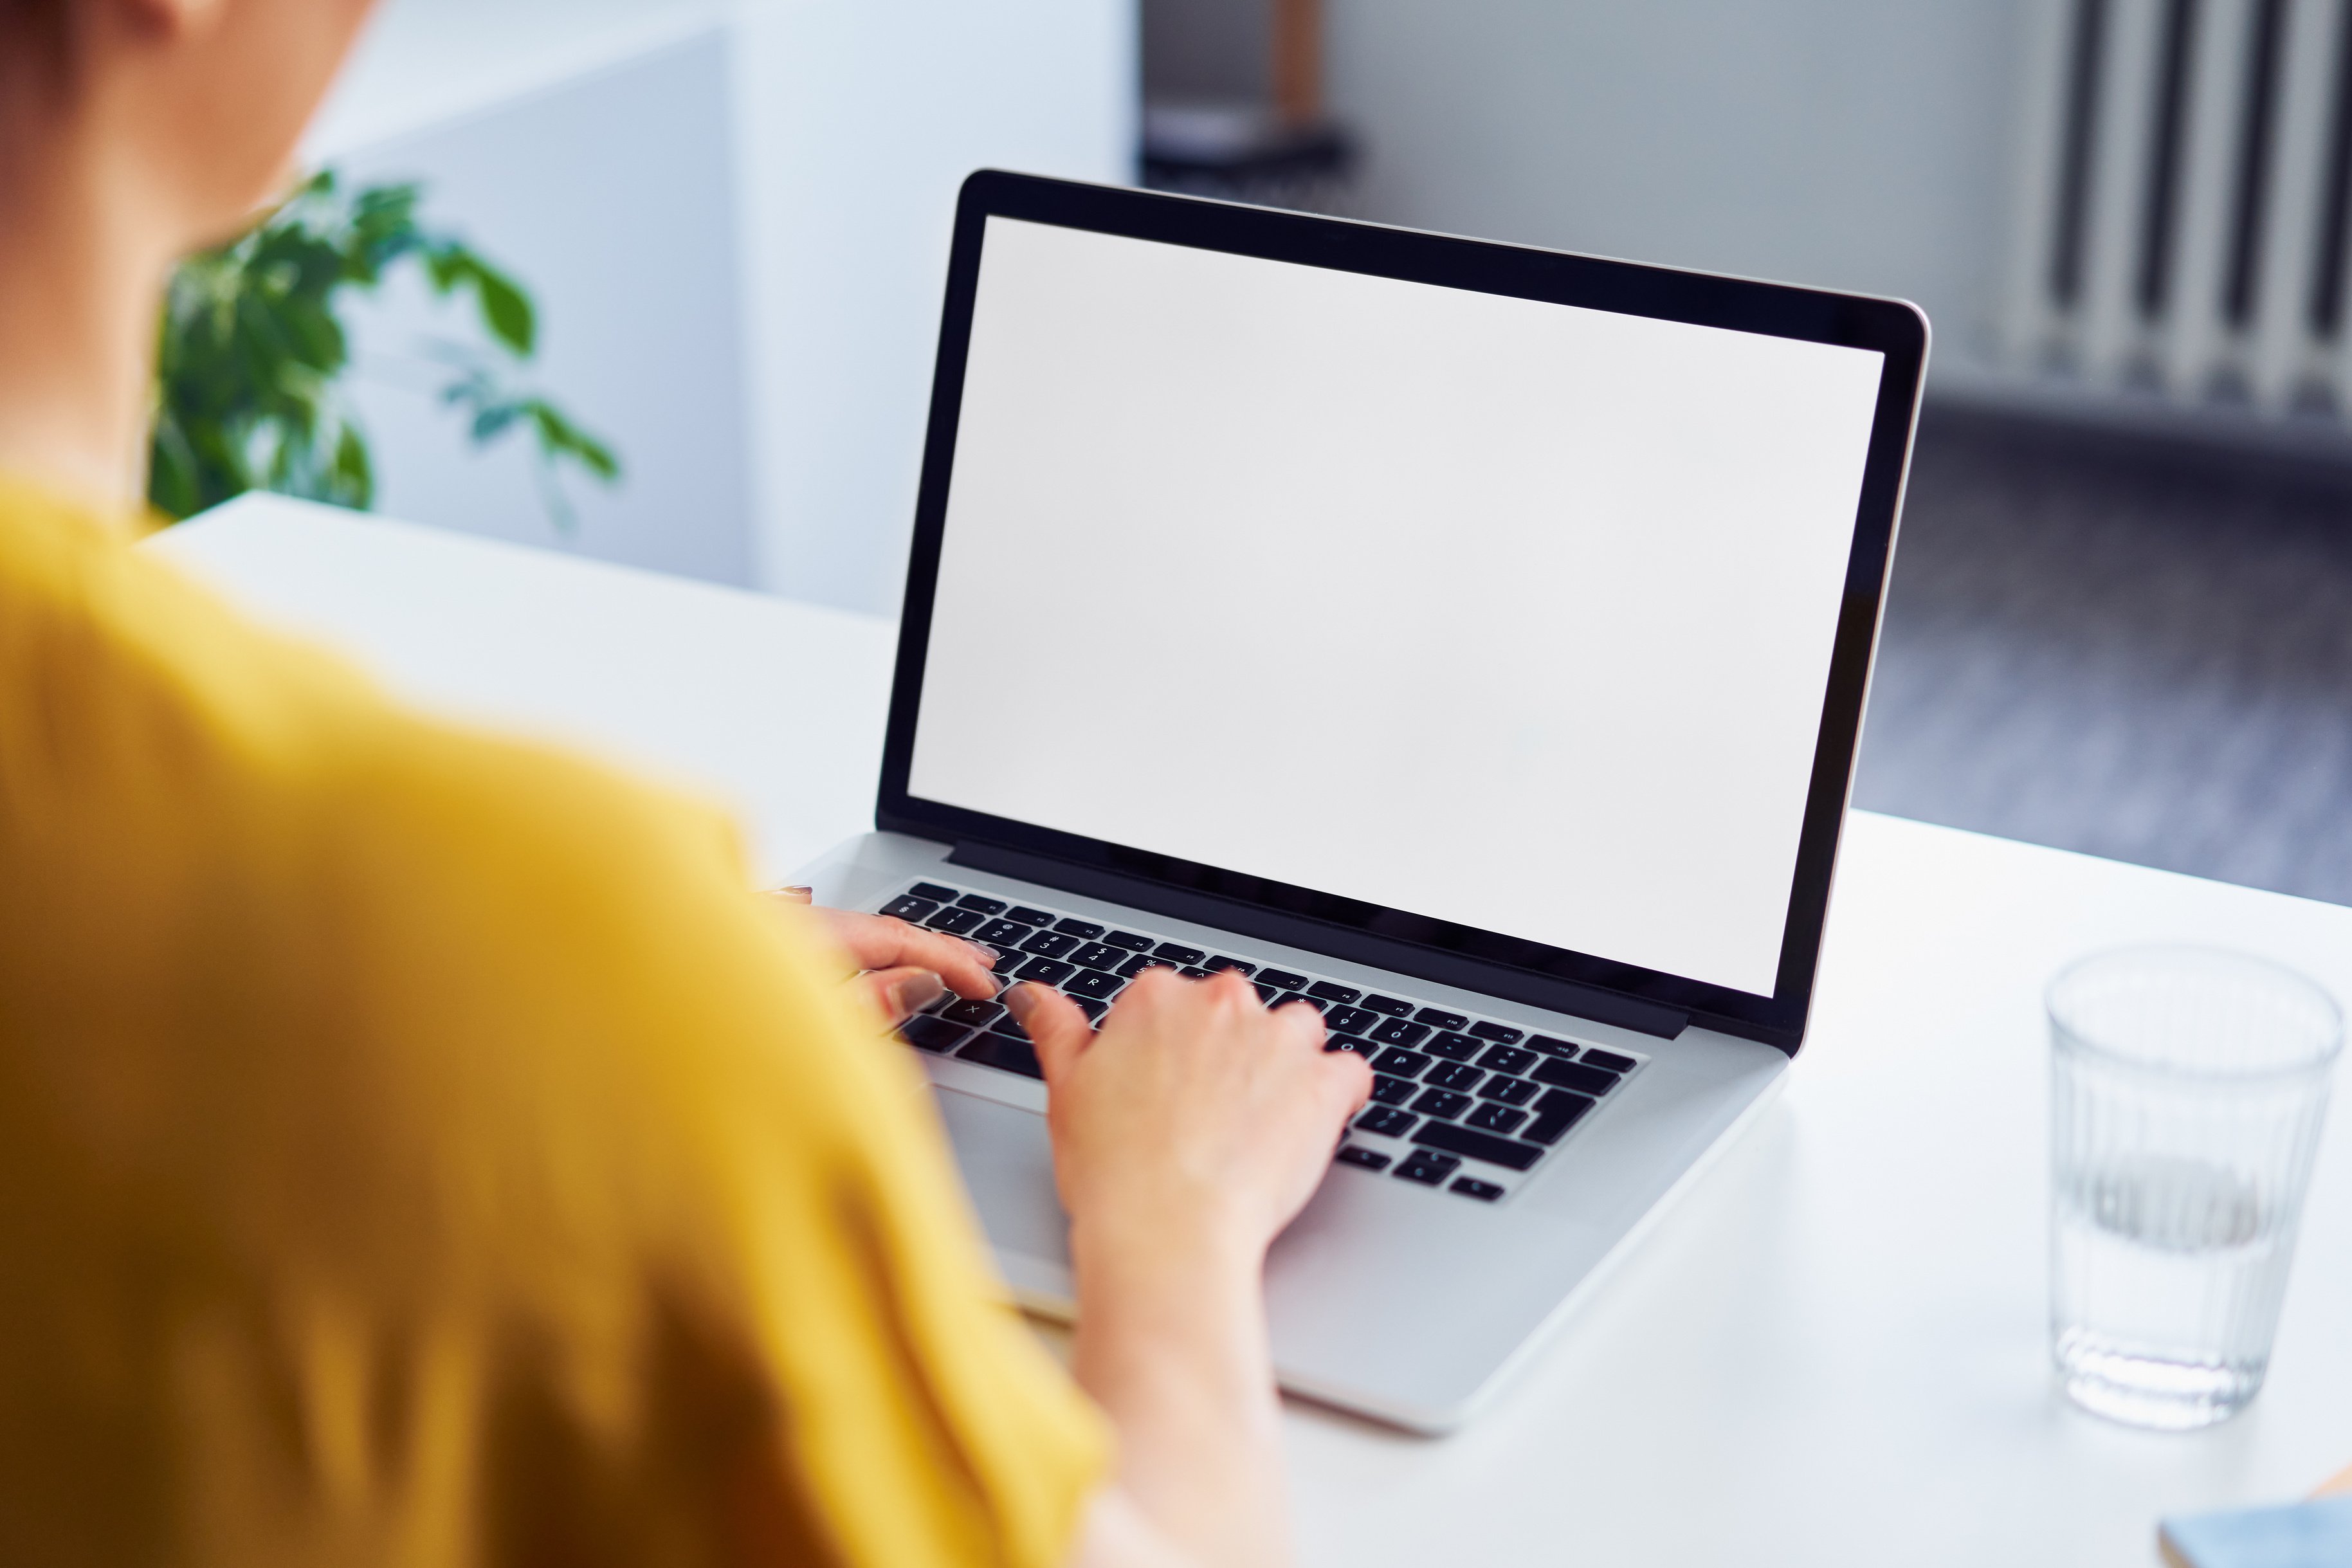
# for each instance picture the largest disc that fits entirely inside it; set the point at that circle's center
(902, 993)
(880, 941)
(1303, 1020)
(1350, 1077)
(1055, 1026)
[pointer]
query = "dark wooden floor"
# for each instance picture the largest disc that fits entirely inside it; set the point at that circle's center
(2132, 651)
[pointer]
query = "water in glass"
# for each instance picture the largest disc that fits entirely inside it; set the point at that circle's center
(2187, 1088)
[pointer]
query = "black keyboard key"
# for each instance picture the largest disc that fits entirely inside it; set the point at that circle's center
(1141, 961)
(1093, 982)
(1506, 1152)
(1004, 1051)
(1265, 994)
(1437, 1018)
(1387, 1091)
(1099, 955)
(1129, 940)
(1349, 1042)
(1218, 965)
(1332, 993)
(1177, 952)
(1509, 1058)
(1576, 1076)
(1002, 934)
(1386, 1120)
(1089, 1005)
(1426, 1168)
(1398, 1032)
(1009, 1028)
(1502, 1033)
(974, 1014)
(1052, 970)
(1492, 1117)
(1556, 1112)
(1029, 917)
(1404, 1064)
(1085, 931)
(1454, 1047)
(1471, 1187)
(907, 907)
(932, 1033)
(934, 892)
(1459, 1076)
(1509, 1091)
(1610, 1060)
(1390, 1005)
(1550, 1047)
(1349, 1020)
(1370, 1158)
(955, 922)
(1299, 997)
(1194, 972)
(1442, 1102)
(1049, 944)
(981, 903)
(1282, 980)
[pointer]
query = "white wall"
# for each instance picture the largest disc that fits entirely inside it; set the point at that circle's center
(1856, 143)
(736, 219)
(860, 118)
(423, 62)
(611, 193)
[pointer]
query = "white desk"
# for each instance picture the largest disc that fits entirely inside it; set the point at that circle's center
(1832, 1353)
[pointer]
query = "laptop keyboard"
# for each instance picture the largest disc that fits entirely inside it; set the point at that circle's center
(1464, 1103)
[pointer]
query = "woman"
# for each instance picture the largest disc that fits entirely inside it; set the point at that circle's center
(420, 1147)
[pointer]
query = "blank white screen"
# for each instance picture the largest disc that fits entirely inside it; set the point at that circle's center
(1509, 613)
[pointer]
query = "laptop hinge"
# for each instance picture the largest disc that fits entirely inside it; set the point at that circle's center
(1569, 996)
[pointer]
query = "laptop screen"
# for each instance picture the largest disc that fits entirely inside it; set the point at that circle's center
(1505, 613)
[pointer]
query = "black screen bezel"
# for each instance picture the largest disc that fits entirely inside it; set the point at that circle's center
(1892, 328)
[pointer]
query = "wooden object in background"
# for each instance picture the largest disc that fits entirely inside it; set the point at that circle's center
(1298, 60)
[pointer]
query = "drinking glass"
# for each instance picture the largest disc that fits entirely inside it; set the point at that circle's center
(2187, 1089)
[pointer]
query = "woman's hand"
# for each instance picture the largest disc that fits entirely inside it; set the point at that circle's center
(1186, 1135)
(903, 968)
(1194, 1112)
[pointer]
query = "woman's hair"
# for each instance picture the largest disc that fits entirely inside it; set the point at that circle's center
(36, 44)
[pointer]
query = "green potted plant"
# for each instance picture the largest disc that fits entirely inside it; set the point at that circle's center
(251, 366)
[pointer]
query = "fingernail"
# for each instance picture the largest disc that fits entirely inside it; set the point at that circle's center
(918, 992)
(983, 948)
(794, 895)
(1019, 1002)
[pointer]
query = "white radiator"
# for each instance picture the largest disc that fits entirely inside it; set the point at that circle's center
(2184, 197)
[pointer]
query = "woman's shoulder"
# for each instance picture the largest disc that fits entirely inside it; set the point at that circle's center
(206, 796)
(120, 674)
(358, 914)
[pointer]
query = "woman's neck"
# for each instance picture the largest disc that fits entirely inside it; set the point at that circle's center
(81, 281)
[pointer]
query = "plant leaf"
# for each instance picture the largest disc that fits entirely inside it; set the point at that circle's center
(492, 422)
(507, 311)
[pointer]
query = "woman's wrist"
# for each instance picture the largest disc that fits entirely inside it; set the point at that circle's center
(1194, 1247)
(1171, 1342)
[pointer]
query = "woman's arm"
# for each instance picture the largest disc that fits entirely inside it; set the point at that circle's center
(1187, 1134)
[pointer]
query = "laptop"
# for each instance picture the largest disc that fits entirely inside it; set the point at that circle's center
(1467, 638)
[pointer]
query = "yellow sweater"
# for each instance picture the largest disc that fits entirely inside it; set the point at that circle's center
(420, 1148)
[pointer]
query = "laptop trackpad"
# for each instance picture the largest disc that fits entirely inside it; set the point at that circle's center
(1008, 1163)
